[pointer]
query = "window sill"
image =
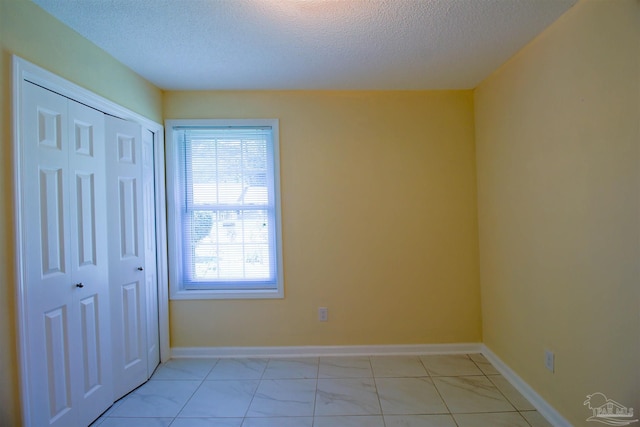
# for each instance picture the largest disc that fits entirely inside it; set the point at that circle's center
(227, 294)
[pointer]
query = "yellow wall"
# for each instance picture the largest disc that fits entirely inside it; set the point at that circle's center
(28, 31)
(379, 221)
(557, 134)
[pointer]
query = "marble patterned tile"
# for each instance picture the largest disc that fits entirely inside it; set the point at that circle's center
(409, 396)
(184, 369)
(397, 366)
(349, 421)
(115, 405)
(108, 412)
(137, 422)
(449, 365)
(419, 421)
(535, 419)
(278, 422)
(156, 399)
(410, 391)
(471, 394)
(281, 398)
(485, 366)
(207, 422)
(224, 398)
(347, 396)
(238, 369)
(499, 419)
(345, 367)
(510, 392)
(304, 367)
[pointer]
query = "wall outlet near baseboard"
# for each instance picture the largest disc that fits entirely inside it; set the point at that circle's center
(549, 360)
(323, 314)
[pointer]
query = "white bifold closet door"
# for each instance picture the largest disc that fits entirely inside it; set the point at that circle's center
(66, 260)
(88, 257)
(150, 251)
(126, 254)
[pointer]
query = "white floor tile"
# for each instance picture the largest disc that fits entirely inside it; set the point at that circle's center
(450, 365)
(535, 419)
(291, 368)
(278, 422)
(380, 391)
(207, 422)
(501, 419)
(397, 366)
(184, 369)
(512, 395)
(156, 399)
(225, 398)
(282, 398)
(471, 394)
(419, 421)
(238, 369)
(485, 366)
(349, 421)
(409, 396)
(345, 367)
(137, 422)
(347, 396)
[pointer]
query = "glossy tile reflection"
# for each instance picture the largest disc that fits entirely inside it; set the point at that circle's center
(377, 391)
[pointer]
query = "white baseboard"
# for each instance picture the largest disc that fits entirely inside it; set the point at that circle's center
(349, 350)
(546, 410)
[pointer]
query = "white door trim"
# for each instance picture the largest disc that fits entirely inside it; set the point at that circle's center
(24, 70)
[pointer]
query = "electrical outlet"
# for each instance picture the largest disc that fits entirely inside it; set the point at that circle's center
(549, 360)
(323, 314)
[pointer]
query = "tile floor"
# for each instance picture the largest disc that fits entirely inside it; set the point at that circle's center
(378, 391)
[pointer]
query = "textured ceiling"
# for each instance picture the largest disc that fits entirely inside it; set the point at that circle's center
(310, 44)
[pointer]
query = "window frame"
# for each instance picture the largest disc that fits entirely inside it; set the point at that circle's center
(179, 290)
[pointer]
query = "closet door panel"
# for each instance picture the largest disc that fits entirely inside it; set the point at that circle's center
(49, 287)
(58, 364)
(126, 254)
(91, 357)
(150, 273)
(52, 220)
(89, 259)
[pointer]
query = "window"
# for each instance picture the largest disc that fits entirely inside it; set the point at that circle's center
(224, 209)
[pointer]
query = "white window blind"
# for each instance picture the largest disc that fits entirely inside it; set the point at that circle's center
(228, 214)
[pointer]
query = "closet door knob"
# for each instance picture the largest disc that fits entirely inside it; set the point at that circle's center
(79, 285)
(140, 268)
